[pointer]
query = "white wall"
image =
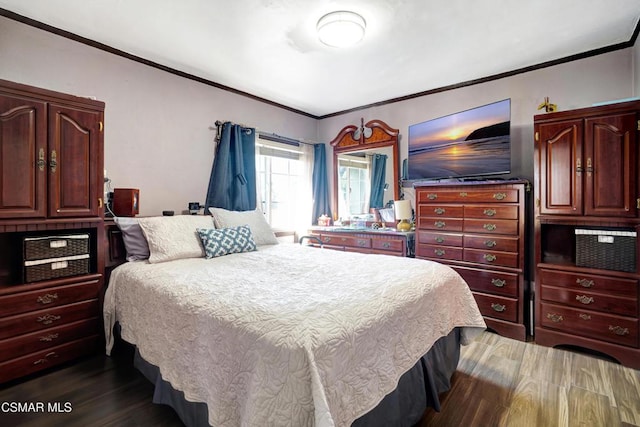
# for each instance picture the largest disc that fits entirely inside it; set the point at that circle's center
(570, 85)
(157, 135)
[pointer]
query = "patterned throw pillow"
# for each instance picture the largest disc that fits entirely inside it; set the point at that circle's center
(225, 241)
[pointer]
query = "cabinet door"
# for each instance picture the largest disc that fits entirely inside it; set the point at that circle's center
(610, 166)
(75, 165)
(22, 157)
(561, 168)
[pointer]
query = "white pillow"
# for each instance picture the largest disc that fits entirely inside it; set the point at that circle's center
(174, 237)
(260, 228)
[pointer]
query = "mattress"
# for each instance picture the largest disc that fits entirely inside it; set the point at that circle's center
(287, 335)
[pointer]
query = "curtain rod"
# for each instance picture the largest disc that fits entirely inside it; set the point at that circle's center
(270, 136)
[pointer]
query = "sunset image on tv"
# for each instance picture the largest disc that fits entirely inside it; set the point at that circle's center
(474, 142)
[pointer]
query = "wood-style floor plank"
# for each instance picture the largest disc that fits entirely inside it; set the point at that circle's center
(499, 382)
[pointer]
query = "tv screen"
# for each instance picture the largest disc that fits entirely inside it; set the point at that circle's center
(471, 143)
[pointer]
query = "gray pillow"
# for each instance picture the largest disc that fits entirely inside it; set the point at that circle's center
(134, 241)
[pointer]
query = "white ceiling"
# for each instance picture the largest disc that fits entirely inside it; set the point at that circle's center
(269, 49)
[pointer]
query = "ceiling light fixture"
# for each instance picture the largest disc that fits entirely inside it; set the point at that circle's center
(341, 28)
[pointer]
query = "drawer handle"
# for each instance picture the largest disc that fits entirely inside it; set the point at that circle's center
(489, 257)
(343, 239)
(362, 243)
(49, 337)
(585, 316)
(585, 283)
(619, 330)
(386, 245)
(489, 227)
(500, 196)
(463, 194)
(498, 283)
(48, 319)
(439, 211)
(432, 196)
(555, 318)
(490, 243)
(45, 359)
(498, 307)
(489, 212)
(326, 239)
(584, 299)
(47, 298)
(440, 239)
(439, 252)
(440, 224)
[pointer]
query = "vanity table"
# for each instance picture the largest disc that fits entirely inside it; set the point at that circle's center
(387, 241)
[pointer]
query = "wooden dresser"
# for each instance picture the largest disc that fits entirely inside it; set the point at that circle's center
(51, 164)
(586, 172)
(479, 228)
(388, 242)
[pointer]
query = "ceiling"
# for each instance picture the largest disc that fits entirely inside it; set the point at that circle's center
(269, 48)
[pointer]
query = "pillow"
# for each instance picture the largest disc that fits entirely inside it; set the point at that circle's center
(134, 241)
(225, 241)
(174, 237)
(260, 228)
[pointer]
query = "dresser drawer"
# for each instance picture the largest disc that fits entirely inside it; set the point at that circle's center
(343, 240)
(33, 362)
(24, 344)
(491, 226)
(496, 243)
(590, 282)
(468, 195)
(488, 281)
(607, 327)
(439, 252)
(43, 319)
(48, 297)
(446, 211)
(496, 306)
(504, 259)
(395, 245)
(435, 238)
(442, 224)
(591, 300)
(491, 211)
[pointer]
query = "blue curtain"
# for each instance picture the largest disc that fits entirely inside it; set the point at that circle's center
(232, 184)
(320, 185)
(378, 173)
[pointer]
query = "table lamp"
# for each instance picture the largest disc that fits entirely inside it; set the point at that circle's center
(403, 213)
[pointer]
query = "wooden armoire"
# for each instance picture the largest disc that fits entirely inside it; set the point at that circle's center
(51, 228)
(587, 203)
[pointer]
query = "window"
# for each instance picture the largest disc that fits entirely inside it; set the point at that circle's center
(284, 185)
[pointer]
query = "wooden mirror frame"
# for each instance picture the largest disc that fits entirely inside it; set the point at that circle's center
(382, 135)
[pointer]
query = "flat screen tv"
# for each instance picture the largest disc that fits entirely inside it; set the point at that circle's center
(471, 143)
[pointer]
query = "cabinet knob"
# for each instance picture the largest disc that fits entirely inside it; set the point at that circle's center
(439, 252)
(500, 196)
(584, 299)
(47, 298)
(48, 337)
(619, 330)
(555, 318)
(490, 243)
(432, 196)
(47, 319)
(489, 212)
(439, 211)
(498, 307)
(439, 239)
(498, 283)
(440, 224)
(53, 162)
(489, 257)
(585, 283)
(489, 227)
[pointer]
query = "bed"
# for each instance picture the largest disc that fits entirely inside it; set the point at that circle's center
(291, 335)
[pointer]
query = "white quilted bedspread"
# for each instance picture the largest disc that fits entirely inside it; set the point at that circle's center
(287, 335)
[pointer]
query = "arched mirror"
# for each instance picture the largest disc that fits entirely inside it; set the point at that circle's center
(365, 168)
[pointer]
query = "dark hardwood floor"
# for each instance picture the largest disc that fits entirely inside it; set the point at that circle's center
(499, 382)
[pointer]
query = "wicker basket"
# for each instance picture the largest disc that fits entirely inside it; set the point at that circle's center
(606, 249)
(47, 247)
(35, 271)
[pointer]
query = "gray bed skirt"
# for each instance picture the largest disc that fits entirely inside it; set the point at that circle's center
(417, 389)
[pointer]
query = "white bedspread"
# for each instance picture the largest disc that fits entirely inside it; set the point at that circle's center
(287, 335)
